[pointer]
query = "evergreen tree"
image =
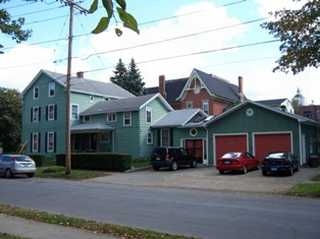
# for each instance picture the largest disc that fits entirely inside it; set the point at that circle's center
(120, 75)
(135, 80)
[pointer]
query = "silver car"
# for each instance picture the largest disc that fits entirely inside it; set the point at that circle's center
(13, 164)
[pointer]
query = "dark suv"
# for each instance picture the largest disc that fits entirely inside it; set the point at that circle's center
(279, 162)
(172, 157)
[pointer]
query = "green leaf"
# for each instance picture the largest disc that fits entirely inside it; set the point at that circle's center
(94, 6)
(118, 32)
(122, 4)
(102, 25)
(128, 20)
(108, 5)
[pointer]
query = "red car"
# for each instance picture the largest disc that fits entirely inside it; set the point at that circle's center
(237, 161)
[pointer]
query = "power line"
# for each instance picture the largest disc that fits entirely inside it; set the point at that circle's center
(37, 11)
(19, 5)
(194, 53)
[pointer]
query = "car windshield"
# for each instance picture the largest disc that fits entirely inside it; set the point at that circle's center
(159, 151)
(277, 156)
(22, 159)
(232, 155)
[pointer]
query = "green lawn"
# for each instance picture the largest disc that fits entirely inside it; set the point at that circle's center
(83, 224)
(59, 172)
(308, 189)
(7, 236)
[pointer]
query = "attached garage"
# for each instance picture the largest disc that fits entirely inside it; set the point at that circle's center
(229, 143)
(264, 143)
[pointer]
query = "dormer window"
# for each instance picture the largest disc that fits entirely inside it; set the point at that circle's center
(35, 93)
(51, 89)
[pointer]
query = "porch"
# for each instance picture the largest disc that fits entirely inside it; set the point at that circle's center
(91, 138)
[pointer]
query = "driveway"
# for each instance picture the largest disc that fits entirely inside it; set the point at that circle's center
(210, 179)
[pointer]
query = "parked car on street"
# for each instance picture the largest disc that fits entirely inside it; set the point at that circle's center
(172, 157)
(237, 161)
(279, 162)
(13, 164)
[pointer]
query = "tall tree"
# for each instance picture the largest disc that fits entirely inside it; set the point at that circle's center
(135, 80)
(120, 75)
(10, 119)
(299, 33)
(12, 28)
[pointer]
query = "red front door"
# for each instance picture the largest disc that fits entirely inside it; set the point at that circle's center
(230, 143)
(267, 143)
(195, 147)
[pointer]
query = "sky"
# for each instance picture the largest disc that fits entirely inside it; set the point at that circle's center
(175, 37)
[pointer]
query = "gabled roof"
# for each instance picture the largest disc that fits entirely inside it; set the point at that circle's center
(272, 102)
(299, 118)
(124, 105)
(105, 89)
(215, 85)
(173, 89)
(179, 118)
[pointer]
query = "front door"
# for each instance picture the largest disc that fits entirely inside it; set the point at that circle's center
(194, 147)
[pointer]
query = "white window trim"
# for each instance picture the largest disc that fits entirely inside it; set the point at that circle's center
(35, 150)
(54, 109)
(54, 89)
(151, 137)
(78, 111)
(48, 148)
(91, 98)
(33, 92)
(205, 102)
(33, 114)
(115, 117)
(130, 117)
(148, 109)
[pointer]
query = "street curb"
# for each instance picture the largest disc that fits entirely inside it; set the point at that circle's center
(132, 170)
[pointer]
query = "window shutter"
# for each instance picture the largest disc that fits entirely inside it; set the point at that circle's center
(46, 142)
(30, 143)
(54, 141)
(47, 113)
(31, 114)
(55, 112)
(39, 112)
(39, 142)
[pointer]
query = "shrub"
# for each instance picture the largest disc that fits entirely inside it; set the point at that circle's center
(38, 159)
(97, 161)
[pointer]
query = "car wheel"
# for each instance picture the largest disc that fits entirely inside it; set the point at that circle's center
(221, 171)
(30, 175)
(193, 164)
(244, 170)
(8, 173)
(291, 171)
(174, 166)
(155, 168)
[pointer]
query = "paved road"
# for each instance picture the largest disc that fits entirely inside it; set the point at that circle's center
(206, 214)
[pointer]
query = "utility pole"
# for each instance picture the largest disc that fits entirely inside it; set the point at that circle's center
(71, 5)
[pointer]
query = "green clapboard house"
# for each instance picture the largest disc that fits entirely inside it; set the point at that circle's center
(44, 108)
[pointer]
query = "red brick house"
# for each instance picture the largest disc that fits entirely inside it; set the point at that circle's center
(201, 90)
(310, 111)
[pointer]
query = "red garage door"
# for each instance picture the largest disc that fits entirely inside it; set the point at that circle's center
(230, 143)
(266, 143)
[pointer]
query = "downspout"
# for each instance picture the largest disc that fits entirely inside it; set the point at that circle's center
(207, 145)
(300, 143)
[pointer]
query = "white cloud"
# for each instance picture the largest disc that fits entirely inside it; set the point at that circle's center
(265, 7)
(208, 17)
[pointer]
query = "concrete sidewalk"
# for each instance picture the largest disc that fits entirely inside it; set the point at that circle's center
(37, 230)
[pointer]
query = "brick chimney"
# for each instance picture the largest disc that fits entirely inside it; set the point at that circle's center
(80, 74)
(240, 85)
(162, 86)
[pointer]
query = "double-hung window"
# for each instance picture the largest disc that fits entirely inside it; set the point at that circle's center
(35, 114)
(35, 93)
(148, 114)
(35, 142)
(127, 119)
(51, 112)
(150, 137)
(111, 117)
(52, 89)
(74, 112)
(205, 106)
(50, 142)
